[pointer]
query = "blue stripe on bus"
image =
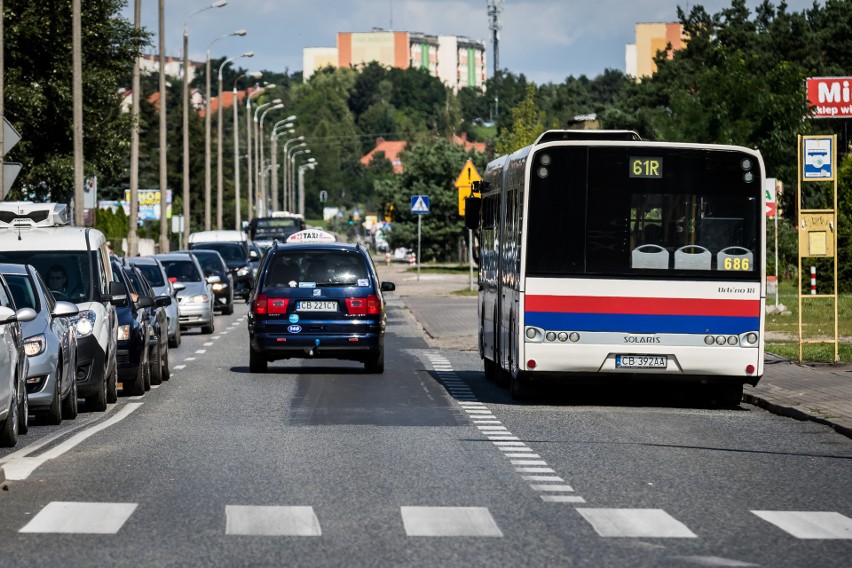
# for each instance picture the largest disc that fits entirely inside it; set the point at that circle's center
(640, 323)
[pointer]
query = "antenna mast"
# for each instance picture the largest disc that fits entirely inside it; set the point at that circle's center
(495, 8)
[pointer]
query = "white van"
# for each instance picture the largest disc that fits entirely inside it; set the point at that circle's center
(38, 234)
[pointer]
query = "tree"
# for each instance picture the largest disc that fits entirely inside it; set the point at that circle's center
(38, 94)
(527, 124)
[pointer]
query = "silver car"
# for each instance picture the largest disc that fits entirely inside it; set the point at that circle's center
(50, 343)
(195, 301)
(155, 273)
(14, 366)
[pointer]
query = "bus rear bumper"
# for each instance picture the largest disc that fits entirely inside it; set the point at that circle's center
(689, 364)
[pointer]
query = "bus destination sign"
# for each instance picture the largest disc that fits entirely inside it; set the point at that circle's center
(646, 167)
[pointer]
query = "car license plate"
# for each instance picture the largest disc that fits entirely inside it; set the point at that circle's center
(641, 361)
(316, 306)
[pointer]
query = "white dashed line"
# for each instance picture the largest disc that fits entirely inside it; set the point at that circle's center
(80, 518)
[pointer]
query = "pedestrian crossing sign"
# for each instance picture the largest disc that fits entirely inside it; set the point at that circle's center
(419, 204)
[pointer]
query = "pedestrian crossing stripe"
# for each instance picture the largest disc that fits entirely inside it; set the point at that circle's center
(243, 520)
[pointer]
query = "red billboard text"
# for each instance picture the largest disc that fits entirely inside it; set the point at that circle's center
(830, 97)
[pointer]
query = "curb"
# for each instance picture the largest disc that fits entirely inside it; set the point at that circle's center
(795, 413)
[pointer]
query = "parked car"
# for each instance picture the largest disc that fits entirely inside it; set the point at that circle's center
(14, 367)
(317, 298)
(213, 265)
(195, 301)
(50, 343)
(134, 330)
(233, 247)
(158, 340)
(155, 273)
(39, 234)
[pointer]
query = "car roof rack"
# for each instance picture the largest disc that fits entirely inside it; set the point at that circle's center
(14, 214)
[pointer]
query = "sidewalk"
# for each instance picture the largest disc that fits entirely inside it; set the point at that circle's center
(817, 392)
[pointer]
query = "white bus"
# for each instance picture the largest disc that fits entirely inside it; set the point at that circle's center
(606, 256)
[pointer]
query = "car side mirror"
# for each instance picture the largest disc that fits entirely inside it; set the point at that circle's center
(143, 302)
(25, 314)
(162, 301)
(253, 254)
(178, 286)
(213, 279)
(117, 295)
(388, 286)
(64, 310)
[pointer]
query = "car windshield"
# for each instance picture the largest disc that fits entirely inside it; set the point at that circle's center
(181, 271)
(153, 273)
(22, 291)
(209, 262)
(231, 252)
(67, 273)
(309, 268)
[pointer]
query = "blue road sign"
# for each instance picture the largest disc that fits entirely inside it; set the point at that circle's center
(419, 204)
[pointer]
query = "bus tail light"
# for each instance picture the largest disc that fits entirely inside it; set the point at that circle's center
(531, 364)
(749, 369)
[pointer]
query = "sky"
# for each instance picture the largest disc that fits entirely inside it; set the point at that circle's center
(545, 40)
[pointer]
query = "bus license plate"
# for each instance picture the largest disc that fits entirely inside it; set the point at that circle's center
(640, 361)
(316, 306)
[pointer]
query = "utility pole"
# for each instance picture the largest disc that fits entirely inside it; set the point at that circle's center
(77, 104)
(132, 233)
(495, 24)
(164, 235)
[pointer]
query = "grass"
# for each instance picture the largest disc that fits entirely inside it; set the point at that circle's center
(817, 324)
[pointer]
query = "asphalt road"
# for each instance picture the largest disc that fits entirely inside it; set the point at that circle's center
(321, 464)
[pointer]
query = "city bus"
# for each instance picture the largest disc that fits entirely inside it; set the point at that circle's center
(279, 225)
(605, 256)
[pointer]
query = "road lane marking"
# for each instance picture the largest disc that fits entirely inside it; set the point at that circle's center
(245, 520)
(179, 367)
(552, 487)
(201, 351)
(449, 521)
(562, 499)
(636, 523)
(810, 524)
(20, 468)
(80, 518)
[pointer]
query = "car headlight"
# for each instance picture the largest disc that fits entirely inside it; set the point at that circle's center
(34, 345)
(84, 322)
(199, 299)
(220, 286)
(243, 271)
(123, 332)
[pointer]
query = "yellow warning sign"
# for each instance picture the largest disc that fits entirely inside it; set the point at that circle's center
(465, 180)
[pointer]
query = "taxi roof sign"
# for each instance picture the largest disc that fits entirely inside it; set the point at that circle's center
(311, 236)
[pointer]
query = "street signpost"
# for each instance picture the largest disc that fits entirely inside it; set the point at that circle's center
(419, 207)
(11, 169)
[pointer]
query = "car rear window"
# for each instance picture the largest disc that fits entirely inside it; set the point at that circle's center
(152, 272)
(181, 271)
(309, 268)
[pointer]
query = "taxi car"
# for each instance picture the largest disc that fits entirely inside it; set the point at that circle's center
(317, 298)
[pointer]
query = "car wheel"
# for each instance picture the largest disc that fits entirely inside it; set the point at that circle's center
(137, 387)
(9, 429)
(175, 341)
(98, 402)
(257, 362)
(375, 363)
(228, 309)
(69, 405)
(208, 329)
(112, 385)
(24, 411)
(166, 371)
(54, 411)
(146, 375)
(156, 367)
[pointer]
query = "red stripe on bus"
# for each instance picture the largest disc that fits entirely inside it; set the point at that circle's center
(644, 306)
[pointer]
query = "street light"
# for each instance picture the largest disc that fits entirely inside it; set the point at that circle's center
(207, 158)
(293, 179)
(262, 187)
(249, 169)
(309, 165)
(237, 204)
(273, 152)
(258, 144)
(186, 223)
(219, 138)
(289, 198)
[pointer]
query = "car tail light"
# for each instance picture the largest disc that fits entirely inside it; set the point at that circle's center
(266, 305)
(368, 306)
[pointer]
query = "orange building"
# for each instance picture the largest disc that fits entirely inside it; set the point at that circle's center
(650, 39)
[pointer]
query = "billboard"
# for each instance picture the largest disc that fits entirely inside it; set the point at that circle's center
(830, 97)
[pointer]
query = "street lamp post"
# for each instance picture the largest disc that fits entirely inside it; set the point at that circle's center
(257, 145)
(311, 164)
(250, 166)
(274, 157)
(186, 223)
(289, 198)
(276, 134)
(260, 142)
(219, 196)
(207, 158)
(293, 179)
(237, 204)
